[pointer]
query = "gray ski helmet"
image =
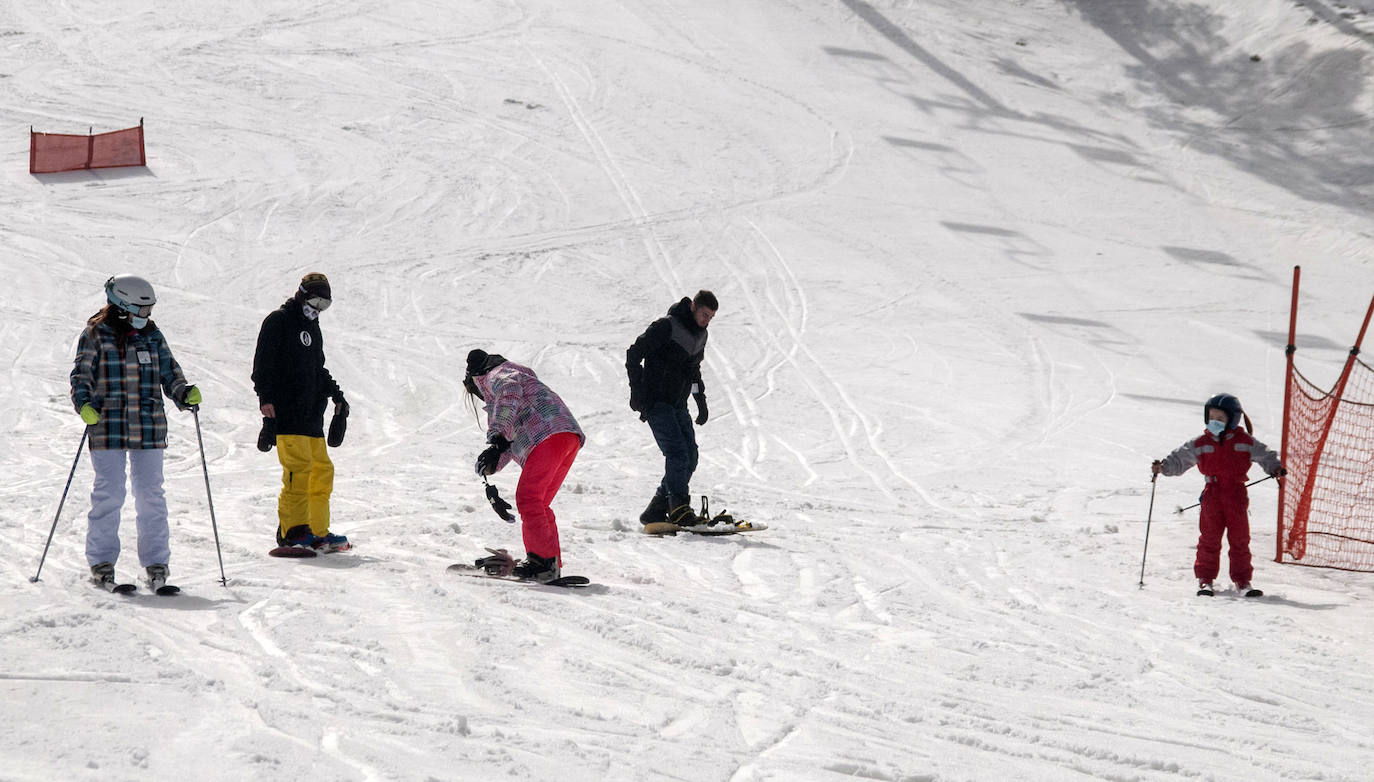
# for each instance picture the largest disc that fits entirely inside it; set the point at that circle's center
(1227, 404)
(131, 293)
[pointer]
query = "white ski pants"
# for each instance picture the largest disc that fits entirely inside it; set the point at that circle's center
(107, 498)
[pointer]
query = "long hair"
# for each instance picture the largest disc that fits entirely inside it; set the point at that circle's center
(110, 316)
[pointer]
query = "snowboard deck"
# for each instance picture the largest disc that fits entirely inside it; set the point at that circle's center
(292, 552)
(304, 552)
(464, 569)
(661, 528)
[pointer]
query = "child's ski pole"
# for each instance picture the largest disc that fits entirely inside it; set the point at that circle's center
(1248, 485)
(1148, 516)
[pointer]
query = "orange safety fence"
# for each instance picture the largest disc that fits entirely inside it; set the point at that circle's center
(53, 152)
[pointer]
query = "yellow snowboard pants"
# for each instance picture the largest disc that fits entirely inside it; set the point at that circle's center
(307, 479)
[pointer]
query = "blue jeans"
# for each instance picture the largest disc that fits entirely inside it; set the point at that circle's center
(107, 498)
(672, 428)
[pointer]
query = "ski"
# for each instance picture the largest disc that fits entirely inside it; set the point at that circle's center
(164, 589)
(661, 528)
(118, 589)
(464, 569)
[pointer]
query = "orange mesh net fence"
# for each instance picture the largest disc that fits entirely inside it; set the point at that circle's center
(1327, 516)
(50, 153)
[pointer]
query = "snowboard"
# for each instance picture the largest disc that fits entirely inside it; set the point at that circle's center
(464, 569)
(304, 552)
(292, 552)
(661, 528)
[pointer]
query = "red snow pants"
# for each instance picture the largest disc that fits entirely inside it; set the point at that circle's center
(540, 478)
(1225, 509)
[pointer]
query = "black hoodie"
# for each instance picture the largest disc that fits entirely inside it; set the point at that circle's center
(289, 372)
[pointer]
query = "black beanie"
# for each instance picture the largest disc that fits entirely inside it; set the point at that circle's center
(477, 358)
(316, 284)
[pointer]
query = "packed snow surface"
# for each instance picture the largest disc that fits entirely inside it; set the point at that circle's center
(978, 264)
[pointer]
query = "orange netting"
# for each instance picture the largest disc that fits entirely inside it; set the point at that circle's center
(1327, 515)
(53, 152)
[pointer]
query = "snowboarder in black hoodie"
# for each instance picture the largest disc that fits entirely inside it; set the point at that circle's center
(294, 388)
(664, 366)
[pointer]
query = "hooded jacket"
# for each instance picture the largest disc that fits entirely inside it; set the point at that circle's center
(126, 387)
(665, 361)
(521, 409)
(289, 371)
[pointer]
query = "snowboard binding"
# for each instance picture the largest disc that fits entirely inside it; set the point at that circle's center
(706, 518)
(500, 563)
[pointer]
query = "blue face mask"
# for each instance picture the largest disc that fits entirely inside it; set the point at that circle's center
(1216, 427)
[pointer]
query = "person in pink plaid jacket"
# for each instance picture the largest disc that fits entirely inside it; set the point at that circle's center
(526, 423)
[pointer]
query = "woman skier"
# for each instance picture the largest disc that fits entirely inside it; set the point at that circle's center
(123, 367)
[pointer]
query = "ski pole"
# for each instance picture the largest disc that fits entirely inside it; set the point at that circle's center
(1154, 481)
(1248, 485)
(195, 413)
(60, 503)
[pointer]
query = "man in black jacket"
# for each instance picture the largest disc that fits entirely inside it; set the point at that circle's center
(294, 388)
(664, 366)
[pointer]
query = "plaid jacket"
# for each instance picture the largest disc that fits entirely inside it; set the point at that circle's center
(125, 389)
(523, 410)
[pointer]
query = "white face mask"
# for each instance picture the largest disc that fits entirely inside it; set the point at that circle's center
(1216, 427)
(310, 312)
(137, 322)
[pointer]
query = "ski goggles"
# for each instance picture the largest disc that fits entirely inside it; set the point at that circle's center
(137, 310)
(320, 303)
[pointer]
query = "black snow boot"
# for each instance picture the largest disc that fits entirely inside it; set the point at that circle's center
(680, 510)
(657, 510)
(537, 568)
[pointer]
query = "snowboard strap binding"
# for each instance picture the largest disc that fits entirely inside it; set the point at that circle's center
(500, 563)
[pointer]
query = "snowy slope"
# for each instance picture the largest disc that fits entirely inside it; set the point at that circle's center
(978, 264)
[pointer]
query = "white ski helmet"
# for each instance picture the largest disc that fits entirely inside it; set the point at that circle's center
(133, 295)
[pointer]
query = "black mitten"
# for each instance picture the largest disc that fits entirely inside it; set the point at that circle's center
(702, 412)
(338, 426)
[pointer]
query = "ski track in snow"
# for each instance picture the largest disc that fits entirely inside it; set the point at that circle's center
(968, 262)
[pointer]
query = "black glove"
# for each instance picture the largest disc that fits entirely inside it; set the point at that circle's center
(340, 406)
(1279, 473)
(702, 412)
(637, 398)
(488, 459)
(499, 505)
(268, 436)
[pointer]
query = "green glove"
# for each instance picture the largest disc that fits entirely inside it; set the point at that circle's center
(193, 396)
(89, 414)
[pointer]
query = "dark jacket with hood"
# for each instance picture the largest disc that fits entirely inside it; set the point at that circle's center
(665, 362)
(289, 372)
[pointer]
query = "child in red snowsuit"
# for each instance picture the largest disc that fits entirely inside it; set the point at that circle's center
(1223, 454)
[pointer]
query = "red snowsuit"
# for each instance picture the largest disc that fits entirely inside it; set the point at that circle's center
(1225, 503)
